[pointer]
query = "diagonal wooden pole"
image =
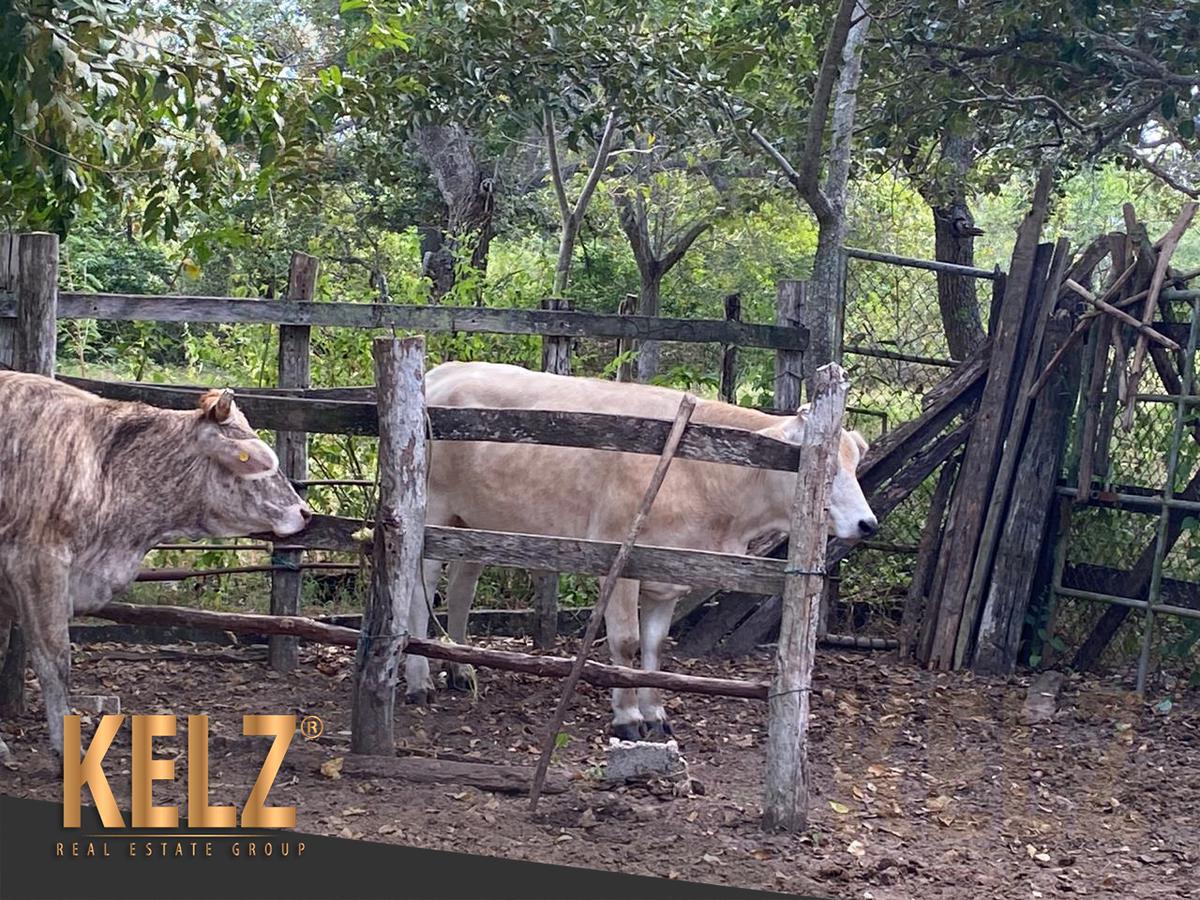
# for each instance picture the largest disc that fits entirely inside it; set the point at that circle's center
(686, 406)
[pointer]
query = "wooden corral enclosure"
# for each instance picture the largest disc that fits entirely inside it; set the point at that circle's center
(394, 410)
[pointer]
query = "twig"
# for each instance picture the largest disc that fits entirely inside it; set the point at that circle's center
(686, 406)
(1169, 242)
(1125, 317)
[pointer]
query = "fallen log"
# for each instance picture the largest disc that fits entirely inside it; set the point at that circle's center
(598, 674)
(496, 778)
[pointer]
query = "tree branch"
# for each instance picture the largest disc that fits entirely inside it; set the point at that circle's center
(633, 223)
(560, 190)
(610, 128)
(831, 64)
(1159, 172)
(682, 245)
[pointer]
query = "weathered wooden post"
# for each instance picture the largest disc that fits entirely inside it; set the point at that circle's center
(28, 268)
(36, 341)
(556, 350)
(789, 364)
(556, 358)
(399, 540)
(786, 806)
(729, 352)
(292, 448)
(12, 667)
(8, 284)
(627, 307)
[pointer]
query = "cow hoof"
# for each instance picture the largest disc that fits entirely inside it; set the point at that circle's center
(461, 678)
(628, 731)
(659, 731)
(423, 697)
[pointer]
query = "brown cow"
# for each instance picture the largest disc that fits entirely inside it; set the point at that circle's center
(592, 494)
(88, 486)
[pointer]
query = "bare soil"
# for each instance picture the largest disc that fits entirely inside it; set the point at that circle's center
(925, 785)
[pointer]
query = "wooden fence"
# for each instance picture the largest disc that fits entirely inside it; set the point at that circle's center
(28, 312)
(351, 411)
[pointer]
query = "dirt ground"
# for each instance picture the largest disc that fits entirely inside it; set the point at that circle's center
(925, 786)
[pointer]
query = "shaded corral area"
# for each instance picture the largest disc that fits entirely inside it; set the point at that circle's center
(924, 785)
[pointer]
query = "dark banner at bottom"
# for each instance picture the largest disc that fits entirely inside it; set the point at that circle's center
(41, 859)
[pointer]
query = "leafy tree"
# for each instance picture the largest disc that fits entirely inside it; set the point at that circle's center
(123, 102)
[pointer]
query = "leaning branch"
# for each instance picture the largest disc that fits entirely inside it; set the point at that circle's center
(602, 153)
(560, 190)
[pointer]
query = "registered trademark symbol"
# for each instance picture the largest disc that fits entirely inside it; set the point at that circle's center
(312, 727)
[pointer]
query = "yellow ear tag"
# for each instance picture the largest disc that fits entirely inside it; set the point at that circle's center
(244, 456)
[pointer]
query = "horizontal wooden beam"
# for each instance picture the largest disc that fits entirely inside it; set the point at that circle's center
(694, 568)
(597, 431)
(444, 319)
(750, 574)
(595, 673)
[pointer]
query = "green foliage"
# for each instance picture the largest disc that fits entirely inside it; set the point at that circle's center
(165, 110)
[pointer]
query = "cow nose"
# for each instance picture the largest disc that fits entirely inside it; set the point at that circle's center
(868, 527)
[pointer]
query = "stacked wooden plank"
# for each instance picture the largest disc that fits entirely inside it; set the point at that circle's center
(994, 557)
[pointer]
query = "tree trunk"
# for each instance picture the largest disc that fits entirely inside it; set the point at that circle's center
(467, 192)
(825, 298)
(649, 353)
(954, 242)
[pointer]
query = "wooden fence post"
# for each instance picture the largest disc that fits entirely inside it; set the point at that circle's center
(627, 307)
(789, 364)
(786, 806)
(292, 448)
(37, 303)
(12, 667)
(729, 352)
(556, 358)
(8, 283)
(399, 540)
(29, 268)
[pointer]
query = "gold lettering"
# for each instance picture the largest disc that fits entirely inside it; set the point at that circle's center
(200, 814)
(76, 774)
(300, 849)
(147, 770)
(256, 814)
(132, 849)
(58, 849)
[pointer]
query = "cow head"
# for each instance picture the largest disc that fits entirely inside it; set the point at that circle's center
(247, 492)
(850, 515)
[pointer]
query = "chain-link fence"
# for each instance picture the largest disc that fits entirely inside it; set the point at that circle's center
(1119, 546)
(895, 349)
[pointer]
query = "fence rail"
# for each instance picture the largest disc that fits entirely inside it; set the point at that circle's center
(596, 431)
(931, 265)
(550, 322)
(749, 574)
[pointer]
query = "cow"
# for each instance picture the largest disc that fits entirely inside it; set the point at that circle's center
(593, 494)
(88, 486)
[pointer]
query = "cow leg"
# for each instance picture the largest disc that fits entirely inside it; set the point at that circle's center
(418, 682)
(6, 624)
(621, 625)
(44, 610)
(461, 579)
(656, 616)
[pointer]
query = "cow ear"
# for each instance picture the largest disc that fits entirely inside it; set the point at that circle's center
(790, 430)
(218, 406)
(861, 441)
(245, 458)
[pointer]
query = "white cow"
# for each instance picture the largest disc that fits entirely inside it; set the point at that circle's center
(593, 494)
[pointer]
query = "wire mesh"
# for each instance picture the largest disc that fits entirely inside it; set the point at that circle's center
(895, 350)
(1110, 551)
